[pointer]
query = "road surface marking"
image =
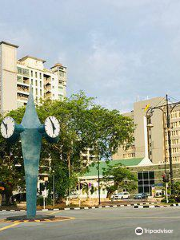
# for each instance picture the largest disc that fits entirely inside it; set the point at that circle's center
(54, 212)
(10, 226)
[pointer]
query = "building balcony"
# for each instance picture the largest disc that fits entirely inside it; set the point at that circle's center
(23, 71)
(61, 81)
(22, 97)
(22, 84)
(47, 88)
(48, 94)
(23, 80)
(47, 83)
(23, 91)
(47, 79)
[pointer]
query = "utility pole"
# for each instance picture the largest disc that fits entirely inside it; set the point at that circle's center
(169, 145)
(167, 112)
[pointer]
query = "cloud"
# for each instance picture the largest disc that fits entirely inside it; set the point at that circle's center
(114, 50)
(106, 71)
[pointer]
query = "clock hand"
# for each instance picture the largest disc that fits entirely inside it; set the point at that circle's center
(5, 125)
(52, 125)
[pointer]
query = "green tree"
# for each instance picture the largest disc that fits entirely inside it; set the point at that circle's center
(118, 177)
(11, 165)
(83, 125)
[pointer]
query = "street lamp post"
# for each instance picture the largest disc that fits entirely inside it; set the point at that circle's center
(147, 127)
(166, 111)
(169, 144)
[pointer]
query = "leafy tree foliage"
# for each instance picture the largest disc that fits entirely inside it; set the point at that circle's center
(119, 177)
(83, 125)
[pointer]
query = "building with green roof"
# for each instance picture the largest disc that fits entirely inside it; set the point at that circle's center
(149, 175)
(93, 168)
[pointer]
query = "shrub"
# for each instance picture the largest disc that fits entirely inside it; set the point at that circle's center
(40, 201)
(177, 198)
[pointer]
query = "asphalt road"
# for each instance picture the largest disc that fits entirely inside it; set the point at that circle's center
(97, 224)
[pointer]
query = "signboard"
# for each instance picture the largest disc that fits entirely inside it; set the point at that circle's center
(45, 179)
(45, 193)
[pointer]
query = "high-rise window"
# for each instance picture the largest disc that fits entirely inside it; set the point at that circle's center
(35, 74)
(19, 78)
(145, 181)
(61, 73)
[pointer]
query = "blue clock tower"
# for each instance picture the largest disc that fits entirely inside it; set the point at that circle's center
(30, 132)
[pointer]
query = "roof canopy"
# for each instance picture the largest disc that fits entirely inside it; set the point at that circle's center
(104, 164)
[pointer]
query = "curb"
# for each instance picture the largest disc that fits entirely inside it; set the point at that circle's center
(159, 206)
(136, 205)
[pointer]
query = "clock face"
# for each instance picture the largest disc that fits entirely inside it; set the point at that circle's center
(52, 127)
(7, 127)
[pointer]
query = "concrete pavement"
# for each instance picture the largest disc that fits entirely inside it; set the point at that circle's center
(97, 224)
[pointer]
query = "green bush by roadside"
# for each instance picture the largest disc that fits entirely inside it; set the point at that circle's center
(40, 201)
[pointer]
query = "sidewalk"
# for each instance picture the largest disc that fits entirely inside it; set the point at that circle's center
(104, 205)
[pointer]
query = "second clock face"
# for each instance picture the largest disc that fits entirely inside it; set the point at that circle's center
(7, 127)
(52, 127)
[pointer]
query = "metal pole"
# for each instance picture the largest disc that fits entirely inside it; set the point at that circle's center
(53, 190)
(99, 192)
(44, 197)
(79, 190)
(69, 168)
(146, 150)
(44, 202)
(167, 192)
(169, 144)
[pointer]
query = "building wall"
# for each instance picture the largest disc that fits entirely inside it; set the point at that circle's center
(175, 135)
(122, 152)
(8, 75)
(45, 83)
(17, 76)
(155, 134)
(157, 169)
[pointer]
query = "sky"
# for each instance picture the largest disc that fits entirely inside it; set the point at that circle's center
(118, 51)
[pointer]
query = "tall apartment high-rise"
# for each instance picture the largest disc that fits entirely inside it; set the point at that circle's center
(16, 76)
(157, 141)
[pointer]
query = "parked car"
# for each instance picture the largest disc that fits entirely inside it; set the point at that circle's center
(141, 196)
(121, 195)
